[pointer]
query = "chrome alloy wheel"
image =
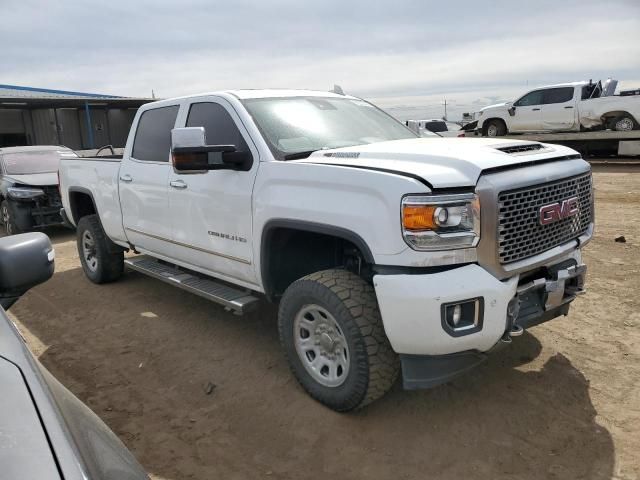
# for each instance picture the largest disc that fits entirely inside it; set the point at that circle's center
(89, 251)
(321, 346)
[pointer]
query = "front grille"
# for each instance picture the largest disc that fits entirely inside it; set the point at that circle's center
(52, 198)
(520, 234)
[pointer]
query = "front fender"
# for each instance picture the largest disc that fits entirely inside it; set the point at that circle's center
(348, 199)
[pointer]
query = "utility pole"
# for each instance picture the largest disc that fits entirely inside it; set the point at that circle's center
(445, 109)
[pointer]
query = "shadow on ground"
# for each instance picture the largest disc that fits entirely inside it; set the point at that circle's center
(141, 354)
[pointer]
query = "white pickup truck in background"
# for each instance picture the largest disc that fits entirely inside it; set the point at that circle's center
(386, 252)
(568, 107)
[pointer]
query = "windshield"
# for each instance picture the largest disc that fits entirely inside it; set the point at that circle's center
(293, 125)
(25, 163)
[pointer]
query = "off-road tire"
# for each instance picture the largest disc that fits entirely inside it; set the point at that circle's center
(500, 128)
(374, 366)
(109, 256)
(6, 217)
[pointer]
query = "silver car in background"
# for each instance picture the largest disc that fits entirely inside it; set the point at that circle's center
(45, 431)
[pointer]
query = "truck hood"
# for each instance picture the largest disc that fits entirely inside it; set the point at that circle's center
(35, 179)
(440, 162)
(494, 106)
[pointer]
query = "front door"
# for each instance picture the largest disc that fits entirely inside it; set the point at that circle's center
(211, 212)
(558, 111)
(526, 116)
(144, 182)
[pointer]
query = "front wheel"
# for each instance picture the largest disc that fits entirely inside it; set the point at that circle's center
(101, 259)
(495, 128)
(332, 334)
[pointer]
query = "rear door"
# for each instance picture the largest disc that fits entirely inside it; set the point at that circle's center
(212, 211)
(144, 182)
(526, 116)
(558, 109)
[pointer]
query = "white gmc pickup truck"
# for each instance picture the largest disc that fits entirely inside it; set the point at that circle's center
(386, 252)
(567, 107)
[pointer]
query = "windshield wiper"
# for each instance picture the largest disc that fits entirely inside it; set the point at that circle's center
(299, 155)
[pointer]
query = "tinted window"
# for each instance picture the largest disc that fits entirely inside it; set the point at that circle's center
(531, 98)
(219, 127)
(435, 127)
(558, 95)
(153, 135)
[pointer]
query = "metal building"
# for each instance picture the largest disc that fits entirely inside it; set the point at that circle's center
(40, 116)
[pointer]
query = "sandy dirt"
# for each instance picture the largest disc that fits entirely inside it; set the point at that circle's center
(562, 402)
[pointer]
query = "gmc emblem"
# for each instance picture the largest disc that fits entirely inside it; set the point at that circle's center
(558, 211)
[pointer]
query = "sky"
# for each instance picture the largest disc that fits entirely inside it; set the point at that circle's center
(406, 56)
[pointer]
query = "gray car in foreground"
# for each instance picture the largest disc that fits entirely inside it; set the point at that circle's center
(45, 431)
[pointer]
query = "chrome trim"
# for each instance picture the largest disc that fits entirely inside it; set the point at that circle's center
(204, 250)
(488, 188)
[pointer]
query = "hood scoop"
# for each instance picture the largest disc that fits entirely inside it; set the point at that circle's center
(522, 148)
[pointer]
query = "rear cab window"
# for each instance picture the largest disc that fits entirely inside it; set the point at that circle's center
(152, 142)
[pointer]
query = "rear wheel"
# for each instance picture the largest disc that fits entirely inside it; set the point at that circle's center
(624, 123)
(495, 128)
(333, 337)
(8, 221)
(101, 259)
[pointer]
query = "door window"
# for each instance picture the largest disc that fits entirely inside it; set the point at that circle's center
(219, 128)
(153, 134)
(531, 98)
(558, 95)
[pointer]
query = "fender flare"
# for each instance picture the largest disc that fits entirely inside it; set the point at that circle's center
(305, 226)
(85, 191)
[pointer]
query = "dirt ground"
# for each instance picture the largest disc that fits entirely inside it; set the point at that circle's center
(562, 402)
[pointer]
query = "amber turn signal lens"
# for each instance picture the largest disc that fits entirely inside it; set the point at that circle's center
(419, 217)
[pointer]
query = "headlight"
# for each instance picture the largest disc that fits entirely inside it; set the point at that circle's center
(441, 222)
(24, 193)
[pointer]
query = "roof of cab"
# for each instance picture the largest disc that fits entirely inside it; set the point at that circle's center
(247, 94)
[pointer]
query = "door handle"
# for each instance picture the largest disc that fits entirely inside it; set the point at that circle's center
(535, 109)
(568, 107)
(178, 184)
(126, 178)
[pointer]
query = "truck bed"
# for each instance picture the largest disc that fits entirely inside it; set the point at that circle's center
(97, 177)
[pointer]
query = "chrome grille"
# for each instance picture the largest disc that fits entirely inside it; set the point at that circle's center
(520, 234)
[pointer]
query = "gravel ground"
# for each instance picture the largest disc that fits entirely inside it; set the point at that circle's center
(199, 393)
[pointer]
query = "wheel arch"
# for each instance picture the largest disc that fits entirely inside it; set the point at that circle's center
(321, 240)
(612, 115)
(82, 203)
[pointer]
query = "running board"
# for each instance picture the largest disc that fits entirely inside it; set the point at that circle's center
(240, 301)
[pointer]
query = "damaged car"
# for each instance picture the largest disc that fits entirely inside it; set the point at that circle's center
(567, 107)
(29, 195)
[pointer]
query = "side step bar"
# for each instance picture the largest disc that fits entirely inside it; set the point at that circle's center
(240, 301)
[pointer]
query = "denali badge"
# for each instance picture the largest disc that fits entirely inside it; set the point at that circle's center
(558, 211)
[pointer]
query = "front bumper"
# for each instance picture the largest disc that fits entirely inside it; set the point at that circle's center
(413, 314)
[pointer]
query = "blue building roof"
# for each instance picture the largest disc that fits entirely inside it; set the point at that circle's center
(17, 91)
